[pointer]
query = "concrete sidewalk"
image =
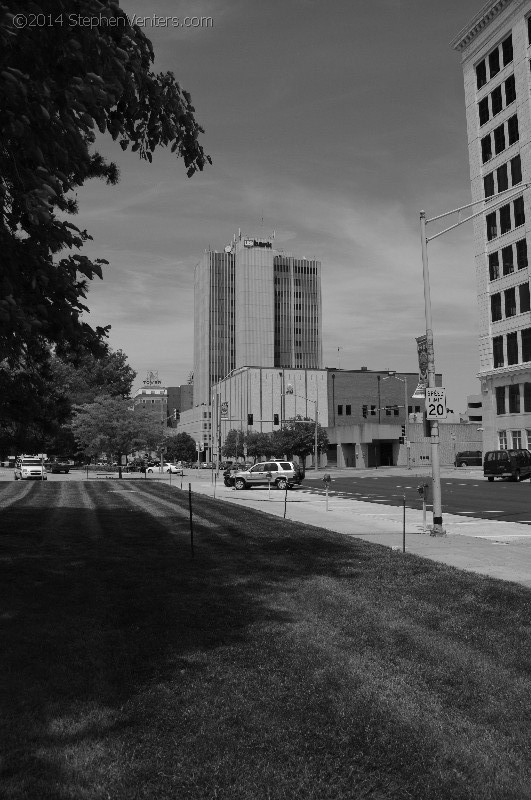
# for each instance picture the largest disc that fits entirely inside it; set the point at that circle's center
(490, 547)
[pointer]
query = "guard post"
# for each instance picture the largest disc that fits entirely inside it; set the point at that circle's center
(424, 491)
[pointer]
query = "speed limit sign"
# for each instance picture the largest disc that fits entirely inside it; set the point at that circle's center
(436, 403)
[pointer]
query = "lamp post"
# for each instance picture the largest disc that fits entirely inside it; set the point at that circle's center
(289, 390)
(404, 381)
(501, 197)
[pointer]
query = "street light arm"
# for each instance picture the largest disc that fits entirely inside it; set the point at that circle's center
(521, 187)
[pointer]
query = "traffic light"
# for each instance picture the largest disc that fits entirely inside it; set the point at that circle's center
(401, 439)
(249, 419)
(276, 420)
(364, 410)
(403, 431)
(373, 411)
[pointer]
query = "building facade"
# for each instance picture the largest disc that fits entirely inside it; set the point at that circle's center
(495, 52)
(254, 305)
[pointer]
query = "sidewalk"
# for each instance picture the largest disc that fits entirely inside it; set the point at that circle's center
(489, 547)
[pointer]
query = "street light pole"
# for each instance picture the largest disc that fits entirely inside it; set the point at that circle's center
(289, 390)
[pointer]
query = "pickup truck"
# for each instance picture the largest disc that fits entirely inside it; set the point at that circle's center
(56, 465)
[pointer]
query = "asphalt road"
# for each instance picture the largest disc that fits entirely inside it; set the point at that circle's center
(503, 500)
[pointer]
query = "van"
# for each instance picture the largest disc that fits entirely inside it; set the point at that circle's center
(469, 458)
(513, 464)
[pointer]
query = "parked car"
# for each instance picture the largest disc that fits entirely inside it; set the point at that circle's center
(513, 464)
(206, 465)
(283, 473)
(175, 469)
(469, 458)
(28, 468)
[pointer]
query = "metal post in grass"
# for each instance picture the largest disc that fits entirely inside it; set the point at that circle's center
(404, 525)
(215, 481)
(87, 470)
(326, 481)
(170, 476)
(191, 519)
(285, 500)
(269, 476)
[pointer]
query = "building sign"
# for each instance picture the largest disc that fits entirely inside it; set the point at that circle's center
(224, 410)
(436, 403)
(248, 242)
(422, 350)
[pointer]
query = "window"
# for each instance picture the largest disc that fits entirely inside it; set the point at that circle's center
(512, 348)
(512, 129)
(495, 307)
(510, 302)
(340, 411)
(510, 90)
(516, 171)
(496, 100)
(486, 149)
(526, 344)
(348, 410)
(516, 436)
(494, 63)
(505, 219)
(488, 184)
(483, 109)
(417, 409)
(494, 266)
(502, 438)
(523, 290)
(502, 178)
(514, 398)
(481, 74)
(500, 399)
(499, 139)
(519, 213)
(497, 351)
(507, 260)
(507, 50)
(492, 228)
(527, 405)
(521, 253)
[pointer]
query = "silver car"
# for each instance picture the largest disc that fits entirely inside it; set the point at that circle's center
(279, 473)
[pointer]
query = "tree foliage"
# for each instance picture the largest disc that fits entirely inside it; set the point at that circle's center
(60, 84)
(259, 444)
(180, 447)
(233, 444)
(83, 379)
(297, 437)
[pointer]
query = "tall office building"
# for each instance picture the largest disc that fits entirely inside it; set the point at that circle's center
(495, 50)
(254, 306)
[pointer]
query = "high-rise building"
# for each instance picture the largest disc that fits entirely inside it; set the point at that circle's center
(495, 51)
(254, 306)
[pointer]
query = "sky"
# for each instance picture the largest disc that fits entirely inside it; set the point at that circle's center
(332, 124)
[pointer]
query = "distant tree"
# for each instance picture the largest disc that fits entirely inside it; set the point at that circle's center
(180, 447)
(259, 444)
(297, 437)
(233, 445)
(58, 84)
(109, 425)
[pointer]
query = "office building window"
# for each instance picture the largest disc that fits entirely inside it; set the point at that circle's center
(510, 302)
(500, 400)
(519, 213)
(496, 100)
(512, 348)
(486, 149)
(495, 307)
(494, 63)
(494, 266)
(348, 410)
(510, 90)
(526, 344)
(507, 260)
(502, 439)
(516, 436)
(499, 139)
(492, 226)
(523, 290)
(527, 404)
(502, 178)
(514, 398)
(507, 50)
(497, 351)
(521, 253)
(483, 110)
(516, 171)
(481, 74)
(488, 184)
(512, 129)
(340, 411)
(505, 219)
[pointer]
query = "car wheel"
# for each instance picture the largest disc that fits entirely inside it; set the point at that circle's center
(149, 470)
(490, 478)
(463, 464)
(282, 483)
(517, 475)
(16, 477)
(239, 483)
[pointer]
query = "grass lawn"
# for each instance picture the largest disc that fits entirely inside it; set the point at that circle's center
(281, 661)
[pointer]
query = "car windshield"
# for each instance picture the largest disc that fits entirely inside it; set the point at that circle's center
(31, 462)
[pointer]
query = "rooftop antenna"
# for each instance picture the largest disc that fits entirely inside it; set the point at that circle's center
(339, 357)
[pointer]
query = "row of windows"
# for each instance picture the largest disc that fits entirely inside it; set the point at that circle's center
(279, 267)
(511, 348)
(503, 54)
(501, 174)
(509, 399)
(516, 439)
(506, 221)
(500, 138)
(487, 110)
(510, 302)
(508, 259)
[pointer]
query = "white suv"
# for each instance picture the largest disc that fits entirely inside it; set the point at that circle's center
(280, 473)
(28, 467)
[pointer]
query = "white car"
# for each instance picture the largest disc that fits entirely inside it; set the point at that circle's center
(175, 469)
(30, 467)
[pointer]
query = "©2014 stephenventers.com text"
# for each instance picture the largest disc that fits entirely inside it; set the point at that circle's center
(103, 21)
